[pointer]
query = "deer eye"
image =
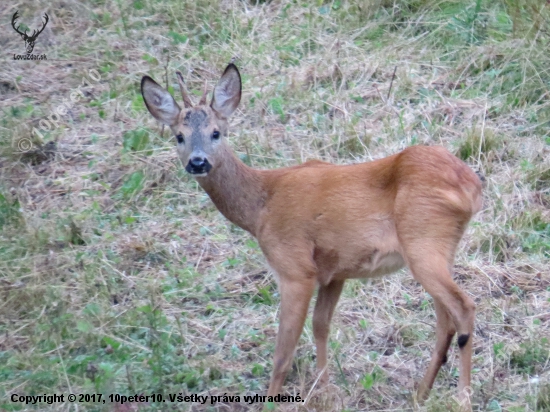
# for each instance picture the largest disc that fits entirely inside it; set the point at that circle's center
(216, 135)
(179, 138)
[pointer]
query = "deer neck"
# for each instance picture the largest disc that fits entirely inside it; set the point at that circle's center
(237, 190)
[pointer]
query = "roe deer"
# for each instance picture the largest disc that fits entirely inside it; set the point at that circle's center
(320, 224)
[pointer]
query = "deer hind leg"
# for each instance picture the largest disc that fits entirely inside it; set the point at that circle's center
(444, 332)
(295, 298)
(455, 306)
(327, 298)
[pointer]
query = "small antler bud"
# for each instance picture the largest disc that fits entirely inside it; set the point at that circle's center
(205, 93)
(186, 101)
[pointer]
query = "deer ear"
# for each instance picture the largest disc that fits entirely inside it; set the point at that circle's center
(159, 102)
(227, 93)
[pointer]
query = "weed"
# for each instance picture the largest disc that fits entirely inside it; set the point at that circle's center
(540, 177)
(543, 398)
(531, 357)
(476, 143)
(137, 140)
(9, 211)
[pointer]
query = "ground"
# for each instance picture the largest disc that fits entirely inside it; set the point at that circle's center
(118, 275)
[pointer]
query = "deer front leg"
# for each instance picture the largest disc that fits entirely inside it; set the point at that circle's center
(295, 297)
(327, 298)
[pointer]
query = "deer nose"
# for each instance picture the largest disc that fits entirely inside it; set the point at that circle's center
(197, 162)
(198, 165)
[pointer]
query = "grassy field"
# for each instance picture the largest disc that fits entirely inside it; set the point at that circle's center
(118, 275)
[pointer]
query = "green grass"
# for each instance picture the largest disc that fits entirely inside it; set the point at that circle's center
(531, 357)
(117, 274)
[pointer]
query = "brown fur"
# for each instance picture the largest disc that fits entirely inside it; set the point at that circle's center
(319, 224)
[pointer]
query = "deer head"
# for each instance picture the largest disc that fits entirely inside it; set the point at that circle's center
(29, 40)
(200, 131)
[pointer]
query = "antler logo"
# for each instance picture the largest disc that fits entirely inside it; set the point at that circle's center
(29, 40)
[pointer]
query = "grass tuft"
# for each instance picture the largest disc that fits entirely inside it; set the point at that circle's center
(476, 143)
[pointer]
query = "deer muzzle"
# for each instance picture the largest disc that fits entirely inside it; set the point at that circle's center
(198, 165)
